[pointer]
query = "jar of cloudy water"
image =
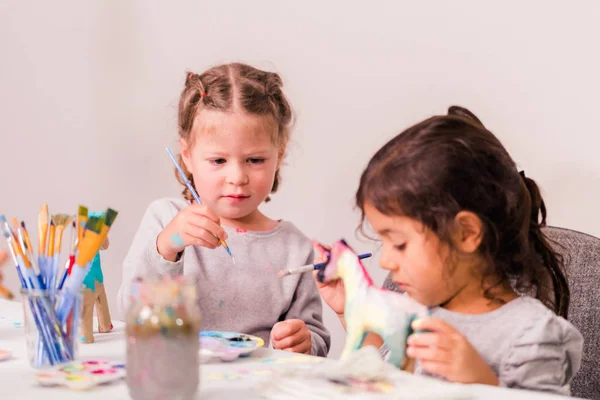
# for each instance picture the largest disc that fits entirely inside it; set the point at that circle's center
(162, 328)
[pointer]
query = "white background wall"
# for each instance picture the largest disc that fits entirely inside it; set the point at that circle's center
(88, 96)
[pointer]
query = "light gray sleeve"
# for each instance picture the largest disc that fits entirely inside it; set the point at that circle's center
(307, 306)
(143, 258)
(545, 357)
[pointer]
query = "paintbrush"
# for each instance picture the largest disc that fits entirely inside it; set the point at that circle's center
(16, 232)
(26, 237)
(82, 217)
(312, 267)
(50, 249)
(32, 280)
(60, 221)
(8, 235)
(69, 263)
(43, 221)
(188, 184)
(26, 246)
(74, 241)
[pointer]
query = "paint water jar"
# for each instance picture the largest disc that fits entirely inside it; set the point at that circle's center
(50, 342)
(162, 328)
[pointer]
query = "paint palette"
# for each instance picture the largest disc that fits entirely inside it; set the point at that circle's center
(227, 346)
(81, 375)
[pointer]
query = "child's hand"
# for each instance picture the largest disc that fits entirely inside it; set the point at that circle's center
(195, 225)
(332, 292)
(291, 335)
(446, 352)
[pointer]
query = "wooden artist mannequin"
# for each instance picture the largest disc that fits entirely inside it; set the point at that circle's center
(4, 292)
(95, 295)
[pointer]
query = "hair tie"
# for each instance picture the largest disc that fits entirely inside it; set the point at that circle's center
(522, 173)
(202, 94)
(190, 75)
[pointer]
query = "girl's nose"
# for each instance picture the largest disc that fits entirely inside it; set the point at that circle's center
(237, 175)
(386, 261)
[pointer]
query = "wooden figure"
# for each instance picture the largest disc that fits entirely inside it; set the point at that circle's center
(369, 308)
(95, 295)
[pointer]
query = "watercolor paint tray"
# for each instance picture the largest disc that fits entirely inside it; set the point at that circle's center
(227, 346)
(81, 375)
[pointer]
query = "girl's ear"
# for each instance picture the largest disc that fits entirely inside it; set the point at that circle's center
(281, 155)
(185, 150)
(468, 232)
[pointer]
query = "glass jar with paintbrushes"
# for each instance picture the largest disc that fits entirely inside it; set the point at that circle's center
(49, 341)
(51, 305)
(162, 328)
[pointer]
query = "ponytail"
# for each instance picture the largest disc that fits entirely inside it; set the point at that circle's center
(551, 260)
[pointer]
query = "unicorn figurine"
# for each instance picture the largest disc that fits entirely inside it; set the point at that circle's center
(369, 308)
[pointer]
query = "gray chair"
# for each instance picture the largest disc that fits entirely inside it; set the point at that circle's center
(581, 254)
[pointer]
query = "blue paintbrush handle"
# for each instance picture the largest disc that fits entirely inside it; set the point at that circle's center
(360, 257)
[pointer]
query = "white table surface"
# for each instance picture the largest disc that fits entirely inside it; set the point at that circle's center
(234, 380)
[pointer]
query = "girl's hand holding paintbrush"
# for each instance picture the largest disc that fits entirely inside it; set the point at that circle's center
(332, 292)
(195, 225)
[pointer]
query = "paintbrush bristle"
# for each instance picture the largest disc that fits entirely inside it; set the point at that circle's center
(94, 224)
(61, 219)
(110, 216)
(44, 215)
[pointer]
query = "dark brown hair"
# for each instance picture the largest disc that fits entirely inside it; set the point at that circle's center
(234, 88)
(452, 163)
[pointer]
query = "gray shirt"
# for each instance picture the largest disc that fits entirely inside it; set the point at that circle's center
(245, 297)
(526, 344)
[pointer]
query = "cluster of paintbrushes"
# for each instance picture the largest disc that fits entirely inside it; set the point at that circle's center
(52, 292)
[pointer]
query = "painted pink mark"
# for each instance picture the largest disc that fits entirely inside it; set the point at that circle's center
(269, 268)
(104, 371)
(241, 231)
(98, 372)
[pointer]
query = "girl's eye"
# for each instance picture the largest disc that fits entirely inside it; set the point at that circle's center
(256, 160)
(218, 161)
(400, 247)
